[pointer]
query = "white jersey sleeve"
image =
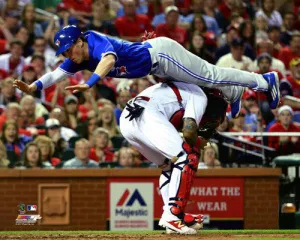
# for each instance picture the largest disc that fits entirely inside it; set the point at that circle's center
(196, 104)
(51, 78)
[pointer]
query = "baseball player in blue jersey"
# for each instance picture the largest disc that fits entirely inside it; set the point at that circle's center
(163, 57)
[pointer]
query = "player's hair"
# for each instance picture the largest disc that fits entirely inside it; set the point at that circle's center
(25, 158)
(42, 139)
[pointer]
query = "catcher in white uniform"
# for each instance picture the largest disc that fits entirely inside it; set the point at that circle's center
(151, 121)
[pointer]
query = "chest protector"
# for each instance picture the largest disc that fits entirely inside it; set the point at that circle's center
(177, 117)
(214, 113)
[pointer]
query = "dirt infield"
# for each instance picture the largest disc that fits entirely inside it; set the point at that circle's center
(145, 236)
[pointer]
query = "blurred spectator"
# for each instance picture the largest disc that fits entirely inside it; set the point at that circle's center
(88, 101)
(198, 8)
(32, 157)
(289, 20)
(253, 117)
(227, 8)
(11, 138)
(40, 46)
(199, 26)
(274, 37)
(294, 77)
(124, 95)
(198, 47)
(232, 33)
(125, 157)
(47, 149)
(132, 26)
(4, 162)
(56, 132)
(29, 75)
(209, 157)
(71, 111)
(261, 25)
(29, 21)
(287, 53)
(247, 33)
(269, 13)
(101, 152)
(13, 62)
(267, 47)
(35, 111)
(57, 97)
(8, 92)
(161, 17)
(211, 8)
(86, 129)
(109, 12)
(285, 145)
(235, 59)
(9, 5)
(105, 91)
(171, 29)
(264, 64)
(53, 131)
(81, 160)
(140, 9)
(65, 17)
(99, 24)
(107, 120)
(12, 112)
(39, 62)
(23, 36)
(58, 114)
(10, 25)
(142, 84)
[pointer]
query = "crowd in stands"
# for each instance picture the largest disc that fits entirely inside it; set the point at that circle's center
(55, 129)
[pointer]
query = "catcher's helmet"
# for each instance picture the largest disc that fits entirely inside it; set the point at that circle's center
(65, 38)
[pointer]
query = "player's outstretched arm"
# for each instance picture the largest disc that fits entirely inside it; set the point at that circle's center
(102, 69)
(45, 81)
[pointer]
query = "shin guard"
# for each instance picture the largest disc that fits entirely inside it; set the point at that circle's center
(188, 168)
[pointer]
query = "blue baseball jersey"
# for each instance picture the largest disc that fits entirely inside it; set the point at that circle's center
(133, 60)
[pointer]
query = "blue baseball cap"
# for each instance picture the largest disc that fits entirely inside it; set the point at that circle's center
(66, 37)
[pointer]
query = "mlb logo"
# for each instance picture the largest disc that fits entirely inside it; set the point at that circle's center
(31, 207)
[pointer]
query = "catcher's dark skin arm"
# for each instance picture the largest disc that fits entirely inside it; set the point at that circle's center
(189, 131)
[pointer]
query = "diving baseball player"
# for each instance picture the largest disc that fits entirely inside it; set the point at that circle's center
(163, 57)
(150, 122)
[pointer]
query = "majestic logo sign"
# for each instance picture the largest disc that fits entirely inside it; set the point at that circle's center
(131, 206)
(136, 196)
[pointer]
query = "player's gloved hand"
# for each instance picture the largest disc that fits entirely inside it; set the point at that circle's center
(24, 87)
(78, 88)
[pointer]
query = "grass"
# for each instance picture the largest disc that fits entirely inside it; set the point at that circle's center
(294, 231)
